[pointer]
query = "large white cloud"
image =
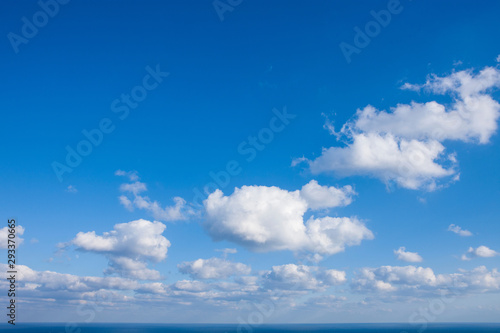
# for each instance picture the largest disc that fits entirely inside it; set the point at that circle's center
(410, 163)
(407, 256)
(405, 145)
(213, 268)
(479, 252)
(265, 219)
(128, 246)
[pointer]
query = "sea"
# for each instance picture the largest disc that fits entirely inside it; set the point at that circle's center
(235, 328)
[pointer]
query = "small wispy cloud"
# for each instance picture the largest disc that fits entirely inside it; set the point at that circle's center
(71, 189)
(132, 199)
(407, 256)
(132, 175)
(459, 231)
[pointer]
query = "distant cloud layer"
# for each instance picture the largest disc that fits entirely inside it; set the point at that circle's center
(415, 281)
(290, 281)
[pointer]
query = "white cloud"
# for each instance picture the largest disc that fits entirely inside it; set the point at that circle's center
(213, 268)
(227, 251)
(128, 246)
(458, 230)
(411, 280)
(193, 286)
(411, 164)
(124, 266)
(333, 277)
(284, 285)
(301, 277)
(324, 302)
(131, 175)
(498, 58)
(319, 197)
(472, 116)
(330, 235)
(40, 285)
(291, 277)
(479, 252)
(179, 211)
(259, 217)
(407, 256)
(4, 234)
(404, 145)
(71, 189)
(135, 187)
(391, 278)
(126, 202)
(266, 219)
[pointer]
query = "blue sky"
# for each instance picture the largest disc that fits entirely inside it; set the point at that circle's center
(381, 149)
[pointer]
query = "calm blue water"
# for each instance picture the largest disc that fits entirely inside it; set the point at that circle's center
(337, 328)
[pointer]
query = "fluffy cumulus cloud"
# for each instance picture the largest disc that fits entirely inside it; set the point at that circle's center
(319, 197)
(459, 231)
(330, 235)
(405, 145)
(132, 198)
(128, 246)
(412, 280)
(391, 278)
(409, 163)
(265, 219)
(479, 252)
(213, 268)
(301, 277)
(4, 236)
(407, 256)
